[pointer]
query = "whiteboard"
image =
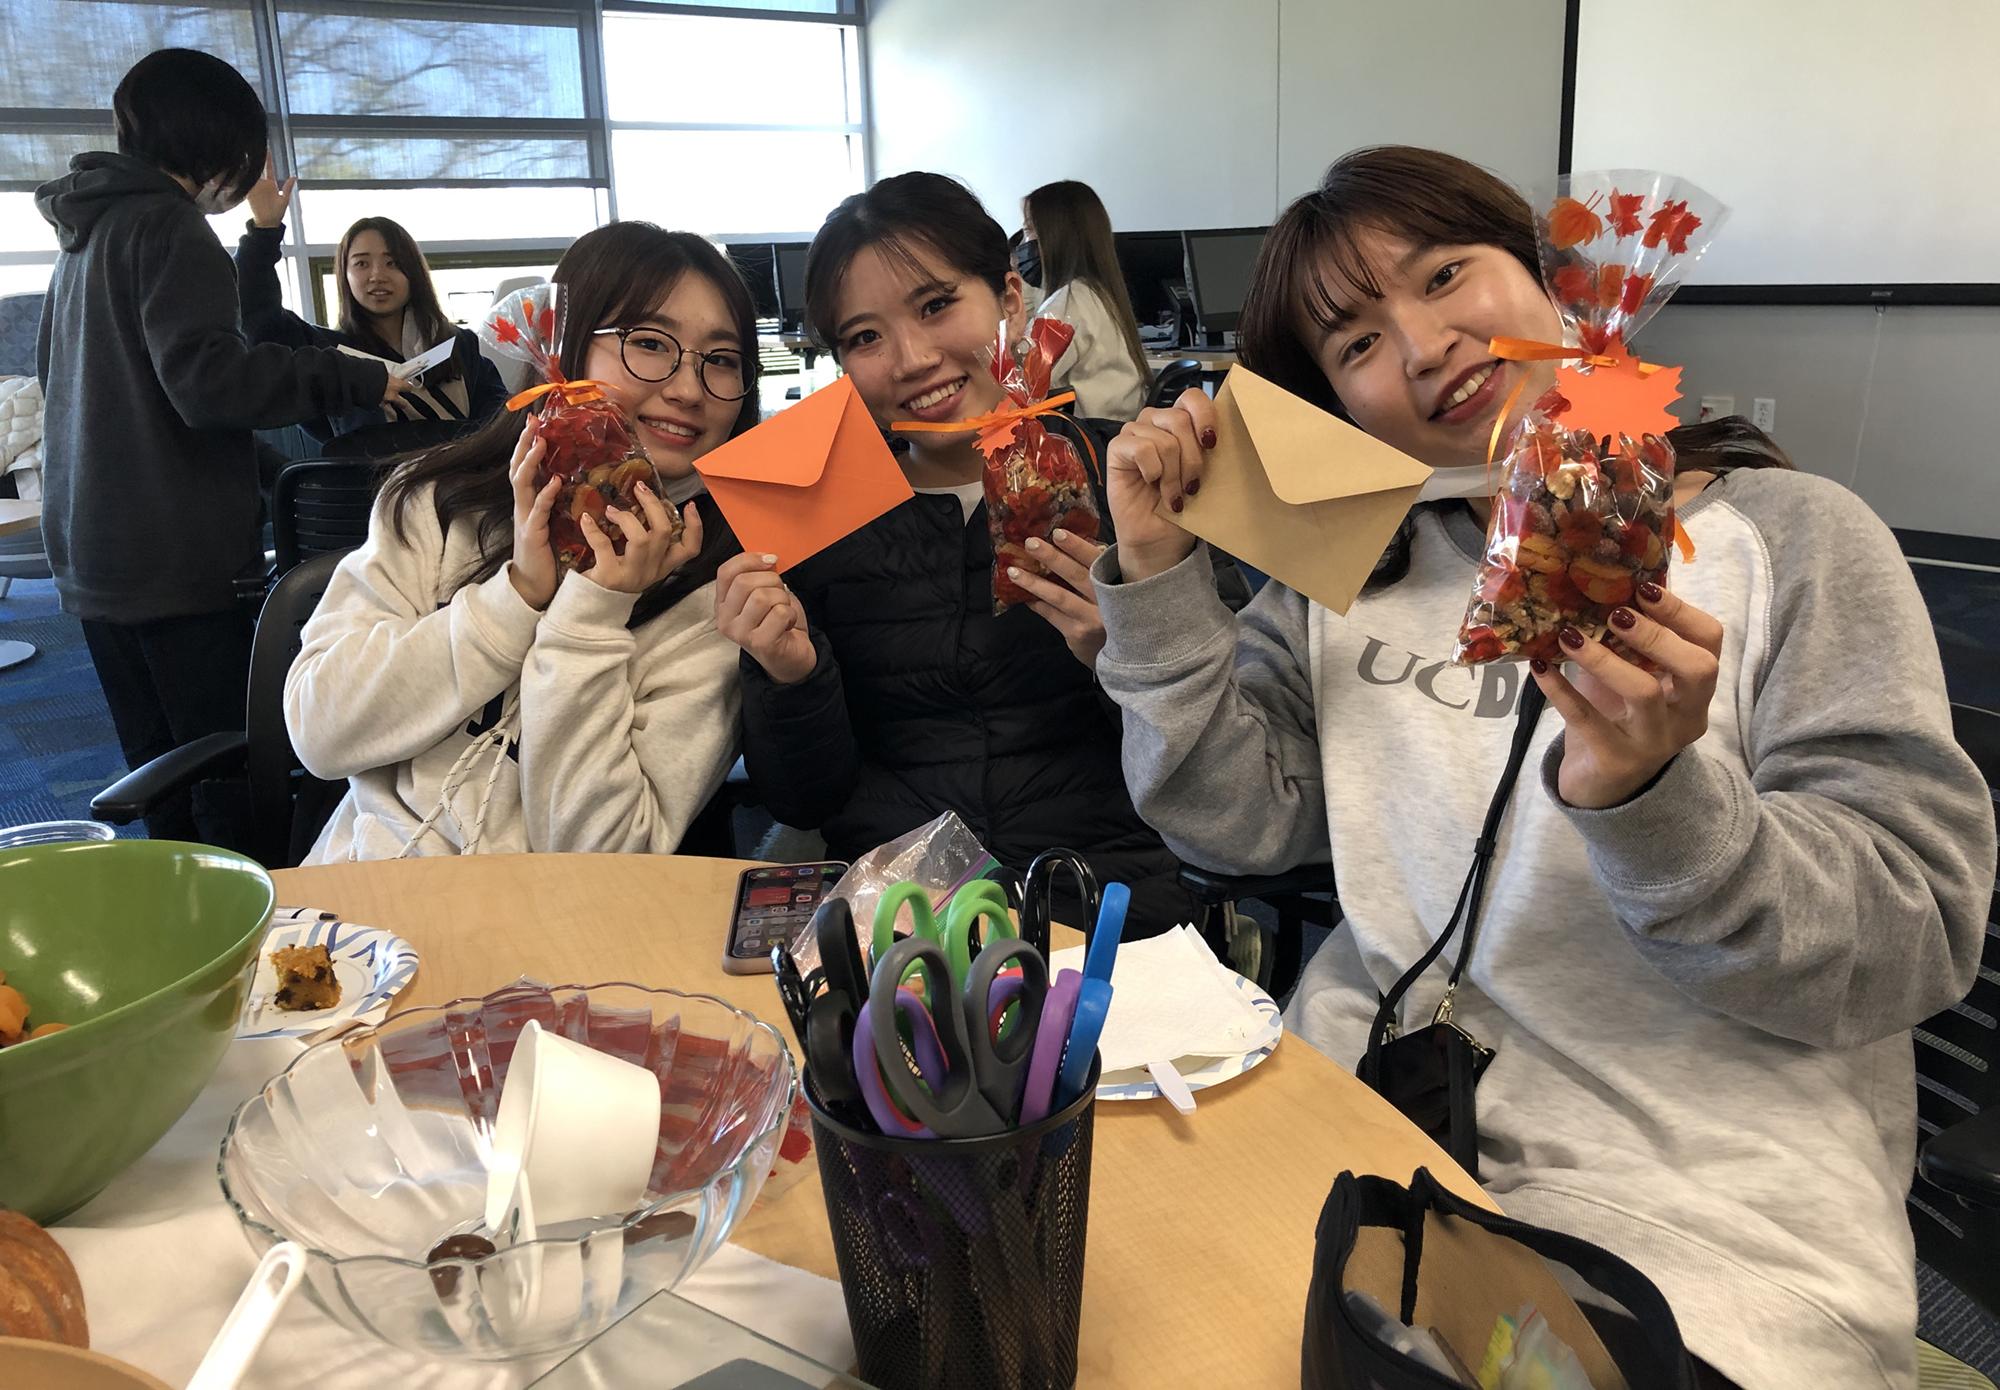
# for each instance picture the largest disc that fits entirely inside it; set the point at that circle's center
(1857, 142)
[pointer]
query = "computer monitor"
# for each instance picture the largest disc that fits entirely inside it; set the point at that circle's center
(791, 258)
(759, 263)
(1219, 265)
(1153, 264)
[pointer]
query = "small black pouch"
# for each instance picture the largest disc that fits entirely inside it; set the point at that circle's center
(1430, 1074)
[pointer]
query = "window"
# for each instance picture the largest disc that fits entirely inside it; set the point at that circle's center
(739, 126)
(497, 131)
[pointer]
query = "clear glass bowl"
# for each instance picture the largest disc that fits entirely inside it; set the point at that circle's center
(53, 832)
(371, 1148)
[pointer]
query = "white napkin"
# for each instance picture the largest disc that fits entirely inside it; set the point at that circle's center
(1170, 998)
(162, 1259)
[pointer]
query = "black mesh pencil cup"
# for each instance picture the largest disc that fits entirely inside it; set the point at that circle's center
(961, 1260)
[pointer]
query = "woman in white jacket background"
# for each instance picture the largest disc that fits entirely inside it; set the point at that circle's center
(1069, 244)
(477, 700)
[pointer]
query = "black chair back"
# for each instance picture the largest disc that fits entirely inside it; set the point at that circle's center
(283, 796)
(319, 507)
(1958, 1075)
(1173, 379)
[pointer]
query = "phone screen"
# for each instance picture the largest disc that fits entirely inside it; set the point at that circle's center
(774, 904)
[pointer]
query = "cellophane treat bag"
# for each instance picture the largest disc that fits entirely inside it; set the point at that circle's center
(1584, 509)
(1035, 478)
(587, 441)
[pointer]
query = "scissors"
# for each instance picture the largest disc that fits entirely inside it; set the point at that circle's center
(832, 1012)
(1093, 999)
(956, 1080)
(1038, 892)
(981, 901)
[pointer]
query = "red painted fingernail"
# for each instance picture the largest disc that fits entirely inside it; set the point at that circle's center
(1623, 618)
(1571, 638)
(1194, 486)
(1539, 666)
(1651, 592)
(1207, 442)
(1175, 504)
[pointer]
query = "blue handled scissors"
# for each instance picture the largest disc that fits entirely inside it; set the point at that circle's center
(980, 902)
(1093, 999)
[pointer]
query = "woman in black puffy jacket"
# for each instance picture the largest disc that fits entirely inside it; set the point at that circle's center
(879, 688)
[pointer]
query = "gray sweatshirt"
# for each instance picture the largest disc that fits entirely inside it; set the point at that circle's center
(507, 730)
(1701, 999)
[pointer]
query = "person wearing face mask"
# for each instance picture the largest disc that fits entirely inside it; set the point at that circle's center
(880, 689)
(476, 699)
(1723, 892)
(150, 470)
(388, 308)
(1070, 254)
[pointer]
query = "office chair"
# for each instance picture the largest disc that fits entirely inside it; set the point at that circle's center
(1954, 1201)
(1281, 954)
(319, 507)
(20, 329)
(1173, 379)
(288, 805)
(22, 556)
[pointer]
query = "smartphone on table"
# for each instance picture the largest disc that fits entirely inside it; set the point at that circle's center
(773, 904)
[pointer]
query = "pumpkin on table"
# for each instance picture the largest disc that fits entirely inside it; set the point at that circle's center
(39, 1293)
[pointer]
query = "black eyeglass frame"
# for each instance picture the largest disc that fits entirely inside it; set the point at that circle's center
(702, 360)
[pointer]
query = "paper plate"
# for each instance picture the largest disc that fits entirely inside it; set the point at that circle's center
(370, 964)
(1136, 1083)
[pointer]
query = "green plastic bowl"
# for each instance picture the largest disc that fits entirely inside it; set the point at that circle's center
(146, 949)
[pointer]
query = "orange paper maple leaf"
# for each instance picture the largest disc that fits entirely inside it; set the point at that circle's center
(1624, 217)
(1619, 400)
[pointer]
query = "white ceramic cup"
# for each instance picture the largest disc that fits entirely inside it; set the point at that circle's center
(580, 1126)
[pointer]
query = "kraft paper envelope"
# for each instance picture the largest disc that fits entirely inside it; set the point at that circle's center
(807, 477)
(1303, 496)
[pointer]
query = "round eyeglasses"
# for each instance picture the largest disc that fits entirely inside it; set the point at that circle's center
(653, 354)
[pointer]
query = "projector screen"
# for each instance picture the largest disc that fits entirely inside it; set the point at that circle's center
(1856, 142)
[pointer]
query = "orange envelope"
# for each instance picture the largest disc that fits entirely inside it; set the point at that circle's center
(1302, 495)
(806, 477)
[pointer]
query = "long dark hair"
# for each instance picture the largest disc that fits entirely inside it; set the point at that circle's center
(1430, 199)
(1073, 233)
(409, 258)
(612, 278)
(900, 215)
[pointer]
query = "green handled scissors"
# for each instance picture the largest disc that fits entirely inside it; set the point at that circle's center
(980, 902)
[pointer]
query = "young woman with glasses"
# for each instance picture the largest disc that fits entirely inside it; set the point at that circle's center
(475, 699)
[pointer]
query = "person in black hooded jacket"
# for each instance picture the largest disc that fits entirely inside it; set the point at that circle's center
(879, 688)
(150, 493)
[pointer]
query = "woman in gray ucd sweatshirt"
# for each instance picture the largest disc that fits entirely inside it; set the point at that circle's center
(1710, 929)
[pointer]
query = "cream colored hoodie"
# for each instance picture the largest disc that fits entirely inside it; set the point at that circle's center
(465, 720)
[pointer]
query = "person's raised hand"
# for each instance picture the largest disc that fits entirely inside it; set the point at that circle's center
(1624, 724)
(393, 387)
(1157, 459)
(268, 202)
(1068, 600)
(755, 610)
(651, 550)
(533, 570)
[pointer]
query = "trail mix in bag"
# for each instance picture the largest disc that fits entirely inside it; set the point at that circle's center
(586, 439)
(1584, 512)
(1035, 479)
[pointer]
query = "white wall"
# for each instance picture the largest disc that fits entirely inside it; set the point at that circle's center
(1917, 436)
(1204, 113)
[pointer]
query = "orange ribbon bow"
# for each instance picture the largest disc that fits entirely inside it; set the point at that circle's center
(579, 392)
(996, 429)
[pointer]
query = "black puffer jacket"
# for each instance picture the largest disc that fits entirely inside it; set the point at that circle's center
(924, 702)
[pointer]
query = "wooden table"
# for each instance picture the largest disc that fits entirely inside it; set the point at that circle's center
(1201, 1227)
(16, 515)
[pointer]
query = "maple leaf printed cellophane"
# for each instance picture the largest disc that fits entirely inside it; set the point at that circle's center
(1035, 479)
(587, 441)
(1580, 521)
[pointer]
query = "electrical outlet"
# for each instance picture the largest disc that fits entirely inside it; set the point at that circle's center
(1764, 414)
(1715, 407)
